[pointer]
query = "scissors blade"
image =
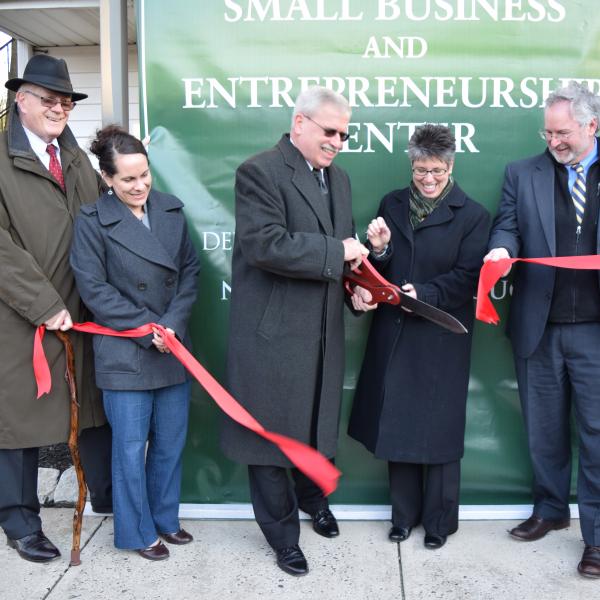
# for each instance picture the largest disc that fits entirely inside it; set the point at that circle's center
(431, 313)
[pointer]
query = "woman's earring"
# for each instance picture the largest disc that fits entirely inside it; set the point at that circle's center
(110, 192)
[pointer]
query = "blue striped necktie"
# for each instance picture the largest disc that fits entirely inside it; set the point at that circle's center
(578, 192)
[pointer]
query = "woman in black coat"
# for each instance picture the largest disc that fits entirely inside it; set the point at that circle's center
(410, 401)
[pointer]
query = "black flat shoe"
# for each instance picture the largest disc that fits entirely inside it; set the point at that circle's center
(179, 537)
(35, 547)
(157, 552)
(325, 524)
(292, 561)
(399, 534)
(433, 542)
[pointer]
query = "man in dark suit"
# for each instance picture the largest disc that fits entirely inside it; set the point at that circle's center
(294, 237)
(549, 207)
(45, 177)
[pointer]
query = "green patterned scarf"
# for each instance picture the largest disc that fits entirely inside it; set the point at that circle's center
(420, 207)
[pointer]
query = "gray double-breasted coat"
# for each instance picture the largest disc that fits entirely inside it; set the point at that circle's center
(36, 282)
(286, 337)
(129, 275)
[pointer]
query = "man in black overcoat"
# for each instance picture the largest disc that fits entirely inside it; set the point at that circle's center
(550, 206)
(294, 238)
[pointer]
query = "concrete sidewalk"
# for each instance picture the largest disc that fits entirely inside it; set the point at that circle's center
(230, 560)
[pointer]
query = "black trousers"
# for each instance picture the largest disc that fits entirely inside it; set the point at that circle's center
(427, 494)
(276, 498)
(19, 505)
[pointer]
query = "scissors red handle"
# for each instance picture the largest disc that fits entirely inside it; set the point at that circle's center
(382, 290)
(369, 278)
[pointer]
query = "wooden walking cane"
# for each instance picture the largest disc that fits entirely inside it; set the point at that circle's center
(74, 446)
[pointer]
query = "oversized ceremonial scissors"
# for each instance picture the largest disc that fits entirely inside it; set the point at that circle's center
(382, 290)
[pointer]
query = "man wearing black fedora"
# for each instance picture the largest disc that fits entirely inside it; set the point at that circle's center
(45, 177)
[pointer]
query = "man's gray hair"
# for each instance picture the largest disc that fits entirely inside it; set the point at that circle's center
(432, 141)
(30, 87)
(585, 105)
(313, 98)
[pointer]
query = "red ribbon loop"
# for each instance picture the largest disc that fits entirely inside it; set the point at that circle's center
(491, 272)
(313, 464)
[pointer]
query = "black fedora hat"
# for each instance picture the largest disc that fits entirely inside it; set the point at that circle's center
(48, 72)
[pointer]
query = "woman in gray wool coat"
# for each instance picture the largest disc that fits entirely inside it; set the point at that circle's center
(135, 264)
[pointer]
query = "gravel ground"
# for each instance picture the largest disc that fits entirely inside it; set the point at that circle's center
(57, 456)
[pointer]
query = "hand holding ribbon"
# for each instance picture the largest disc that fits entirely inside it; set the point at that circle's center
(313, 464)
(491, 272)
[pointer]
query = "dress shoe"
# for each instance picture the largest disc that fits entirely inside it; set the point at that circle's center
(103, 510)
(157, 552)
(590, 562)
(399, 534)
(180, 537)
(433, 542)
(536, 527)
(35, 547)
(325, 524)
(292, 561)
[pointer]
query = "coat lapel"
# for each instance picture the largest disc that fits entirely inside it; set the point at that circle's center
(165, 222)
(441, 214)
(305, 183)
(33, 165)
(543, 192)
(132, 234)
(398, 212)
(70, 163)
(338, 204)
(444, 213)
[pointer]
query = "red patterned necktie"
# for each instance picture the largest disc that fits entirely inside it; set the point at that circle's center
(55, 168)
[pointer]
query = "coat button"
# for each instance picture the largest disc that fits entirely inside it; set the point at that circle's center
(142, 286)
(170, 281)
(328, 272)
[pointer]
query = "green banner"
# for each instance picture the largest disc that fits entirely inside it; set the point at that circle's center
(218, 81)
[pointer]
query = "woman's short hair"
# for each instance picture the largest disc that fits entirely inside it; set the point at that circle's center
(113, 140)
(311, 99)
(432, 141)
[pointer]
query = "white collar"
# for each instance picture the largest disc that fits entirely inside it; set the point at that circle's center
(309, 165)
(38, 145)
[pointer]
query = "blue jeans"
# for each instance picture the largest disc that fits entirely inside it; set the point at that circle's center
(146, 485)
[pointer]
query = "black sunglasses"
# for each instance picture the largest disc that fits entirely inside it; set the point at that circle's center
(344, 136)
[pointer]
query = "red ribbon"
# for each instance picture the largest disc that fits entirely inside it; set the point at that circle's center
(313, 464)
(491, 271)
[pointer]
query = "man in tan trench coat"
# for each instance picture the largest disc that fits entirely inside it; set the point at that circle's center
(44, 179)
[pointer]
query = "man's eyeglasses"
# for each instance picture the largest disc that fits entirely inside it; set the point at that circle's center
(52, 101)
(344, 136)
(421, 172)
(559, 136)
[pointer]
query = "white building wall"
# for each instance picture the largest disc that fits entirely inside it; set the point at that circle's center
(84, 68)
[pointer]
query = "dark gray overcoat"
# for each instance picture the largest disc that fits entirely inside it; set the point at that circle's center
(410, 399)
(36, 282)
(286, 338)
(129, 275)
